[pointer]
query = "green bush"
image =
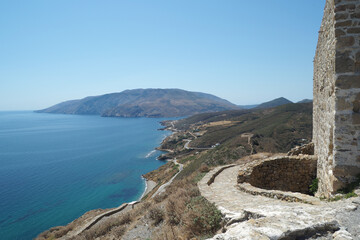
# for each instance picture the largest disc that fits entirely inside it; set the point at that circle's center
(202, 217)
(314, 186)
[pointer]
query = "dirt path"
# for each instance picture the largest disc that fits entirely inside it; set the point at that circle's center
(249, 136)
(164, 186)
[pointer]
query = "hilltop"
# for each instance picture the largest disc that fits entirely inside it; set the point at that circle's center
(274, 103)
(144, 103)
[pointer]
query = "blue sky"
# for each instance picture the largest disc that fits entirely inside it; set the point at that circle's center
(244, 51)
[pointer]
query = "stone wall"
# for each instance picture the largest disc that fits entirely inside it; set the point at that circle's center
(285, 173)
(336, 115)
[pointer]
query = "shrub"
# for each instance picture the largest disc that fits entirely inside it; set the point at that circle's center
(118, 231)
(156, 214)
(314, 186)
(204, 168)
(350, 194)
(125, 219)
(202, 217)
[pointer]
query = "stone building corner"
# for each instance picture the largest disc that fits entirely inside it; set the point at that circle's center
(336, 113)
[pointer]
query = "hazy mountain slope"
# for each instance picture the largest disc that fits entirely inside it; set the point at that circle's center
(144, 103)
(305, 101)
(248, 106)
(274, 103)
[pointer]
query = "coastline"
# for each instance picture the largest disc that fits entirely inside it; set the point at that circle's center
(149, 186)
(87, 222)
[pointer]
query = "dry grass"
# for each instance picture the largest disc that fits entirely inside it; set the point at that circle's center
(187, 214)
(219, 123)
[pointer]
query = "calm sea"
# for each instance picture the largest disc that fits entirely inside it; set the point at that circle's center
(54, 168)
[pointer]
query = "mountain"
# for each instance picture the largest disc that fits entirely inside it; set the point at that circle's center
(144, 103)
(274, 103)
(305, 101)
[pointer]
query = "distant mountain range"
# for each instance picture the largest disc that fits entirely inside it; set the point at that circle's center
(154, 103)
(144, 103)
(273, 103)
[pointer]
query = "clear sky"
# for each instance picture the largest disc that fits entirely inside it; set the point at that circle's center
(244, 51)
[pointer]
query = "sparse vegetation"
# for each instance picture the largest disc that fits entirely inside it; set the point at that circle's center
(314, 186)
(202, 217)
(351, 187)
(157, 215)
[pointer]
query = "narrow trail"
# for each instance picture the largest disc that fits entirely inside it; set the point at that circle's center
(258, 217)
(162, 188)
(249, 136)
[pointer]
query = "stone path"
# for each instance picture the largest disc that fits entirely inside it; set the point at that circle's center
(257, 217)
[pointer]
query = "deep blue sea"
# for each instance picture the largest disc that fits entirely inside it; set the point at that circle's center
(54, 168)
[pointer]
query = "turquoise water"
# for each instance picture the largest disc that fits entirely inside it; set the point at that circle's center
(54, 168)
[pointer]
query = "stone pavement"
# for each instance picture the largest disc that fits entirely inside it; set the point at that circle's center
(258, 217)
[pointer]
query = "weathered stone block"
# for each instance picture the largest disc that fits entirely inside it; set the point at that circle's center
(345, 7)
(344, 63)
(339, 32)
(347, 23)
(353, 30)
(345, 41)
(343, 104)
(356, 118)
(348, 81)
(341, 16)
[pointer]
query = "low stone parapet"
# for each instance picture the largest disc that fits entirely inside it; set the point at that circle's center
(284, 173)
(280, 195)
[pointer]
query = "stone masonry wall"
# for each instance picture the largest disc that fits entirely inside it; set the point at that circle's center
(336, 115)
(285, 173)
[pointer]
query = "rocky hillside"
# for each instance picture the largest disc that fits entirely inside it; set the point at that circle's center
(230, 135)
(144, 103)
